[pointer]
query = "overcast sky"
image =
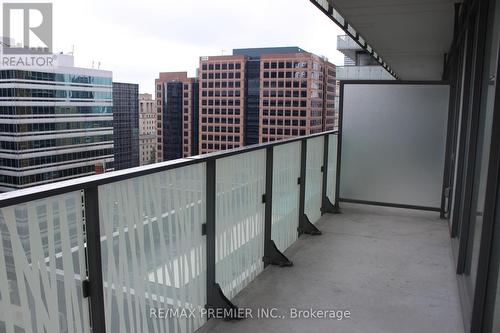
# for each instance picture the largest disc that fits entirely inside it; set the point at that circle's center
(136, 39)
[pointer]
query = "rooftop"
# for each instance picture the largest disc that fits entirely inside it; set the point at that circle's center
(258, 51)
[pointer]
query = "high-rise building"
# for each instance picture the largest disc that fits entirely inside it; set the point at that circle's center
(177, 114)
(264, 94)
(126, 125)
(147, 129)
(54, 124)
(222, 102)
(294, 95)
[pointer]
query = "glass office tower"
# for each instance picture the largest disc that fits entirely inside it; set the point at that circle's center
(54, 124)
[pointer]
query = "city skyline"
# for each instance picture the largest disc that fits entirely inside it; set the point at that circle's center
(162, 39)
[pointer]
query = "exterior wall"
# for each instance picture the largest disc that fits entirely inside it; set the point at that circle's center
(189, 110)
(126, 125)
(64, 130)
(330, 114)
(190, 115)
(194, 118)
(159, 90)
(252, 101)
(147, 129)
(222, 102)
(348, 61)
(292, 95)
(172, 120)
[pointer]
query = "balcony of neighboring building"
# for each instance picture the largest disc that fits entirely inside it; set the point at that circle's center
(362, 73)
(345, 42)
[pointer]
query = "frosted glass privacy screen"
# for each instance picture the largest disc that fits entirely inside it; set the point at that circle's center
(42, 266)
(332, 168)
(393, 143)
(314, 178)
(239, 220)
(153, 253)
(286, 192)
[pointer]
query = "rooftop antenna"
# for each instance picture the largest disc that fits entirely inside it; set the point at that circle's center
(72, 49)
(98, 65)
(92, 64)
(222, 51)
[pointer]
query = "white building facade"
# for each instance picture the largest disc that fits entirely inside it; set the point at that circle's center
(147, 129)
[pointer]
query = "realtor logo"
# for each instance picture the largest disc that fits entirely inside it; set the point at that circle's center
(28, 26)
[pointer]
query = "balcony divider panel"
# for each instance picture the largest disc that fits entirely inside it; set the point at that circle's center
(153, 250)
(42, 266)
(239, 226)
(393, 142)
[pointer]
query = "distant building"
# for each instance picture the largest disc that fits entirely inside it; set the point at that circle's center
(264, 94)
(147, 129)
(177, 116)
(222, 102)
(126, 124)
(358, 63)
(54, 124)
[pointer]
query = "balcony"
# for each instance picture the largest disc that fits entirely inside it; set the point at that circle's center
(186, 234)
(250, 229)
(345, 42)
(391, 268)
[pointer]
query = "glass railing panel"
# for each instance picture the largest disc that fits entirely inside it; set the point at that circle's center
(323, 3)
(332, 167)
(239, 227)
(42, 266)
(153, 252)
(338, 17)
(314, 178)
(286, 192)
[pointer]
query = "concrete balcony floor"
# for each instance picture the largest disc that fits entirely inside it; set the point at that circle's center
(391, 268)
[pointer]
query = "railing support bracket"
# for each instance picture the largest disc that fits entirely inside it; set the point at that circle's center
(306, 227)
(221, 303)
(276, 257)
(328, 207)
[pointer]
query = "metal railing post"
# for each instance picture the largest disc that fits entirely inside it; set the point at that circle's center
(272, 255)
(302, 183)
(215, 297)
(326, 204)
(305, 226)
(336, 204)
(210, 231)
(95, 282)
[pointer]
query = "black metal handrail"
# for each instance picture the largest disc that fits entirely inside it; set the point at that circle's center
(42, 191)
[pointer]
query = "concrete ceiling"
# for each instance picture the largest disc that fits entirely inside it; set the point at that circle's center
(411, 36)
